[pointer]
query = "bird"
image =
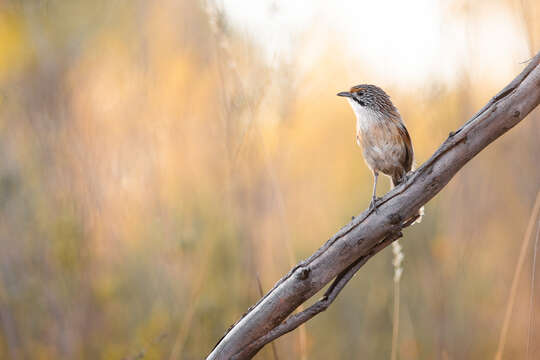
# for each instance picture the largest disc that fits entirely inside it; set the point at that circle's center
(382, 135)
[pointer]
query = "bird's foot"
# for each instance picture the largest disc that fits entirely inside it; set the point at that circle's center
(373, 204)
(407, 176)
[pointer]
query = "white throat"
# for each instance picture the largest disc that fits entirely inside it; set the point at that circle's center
(365, 117)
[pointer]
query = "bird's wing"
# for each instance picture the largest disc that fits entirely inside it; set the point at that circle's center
(409, 153)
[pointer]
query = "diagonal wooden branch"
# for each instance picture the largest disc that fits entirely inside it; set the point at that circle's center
(342, 255)
(329, 296)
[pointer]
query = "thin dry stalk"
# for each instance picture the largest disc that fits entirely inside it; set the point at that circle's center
(398, 270)
(302, 332)
(517, 272)
(530, 329)
(395, 322)
(178, 346)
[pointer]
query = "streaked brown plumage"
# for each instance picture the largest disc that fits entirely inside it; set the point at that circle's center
(385, 141)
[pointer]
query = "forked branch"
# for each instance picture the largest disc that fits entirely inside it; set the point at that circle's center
(352, 246)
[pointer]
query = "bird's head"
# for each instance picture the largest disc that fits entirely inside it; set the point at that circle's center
(368, 97)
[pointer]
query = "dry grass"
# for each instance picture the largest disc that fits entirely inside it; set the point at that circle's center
(517, 273)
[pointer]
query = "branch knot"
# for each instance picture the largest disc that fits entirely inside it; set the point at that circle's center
(303, 274)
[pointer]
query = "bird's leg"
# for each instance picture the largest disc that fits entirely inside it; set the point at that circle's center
(374, 198)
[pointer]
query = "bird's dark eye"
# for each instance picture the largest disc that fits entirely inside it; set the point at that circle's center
(360, 93)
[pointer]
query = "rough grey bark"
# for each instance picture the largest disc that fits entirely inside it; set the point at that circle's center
(341, 256)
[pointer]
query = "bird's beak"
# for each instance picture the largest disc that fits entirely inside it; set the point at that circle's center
(344, 93)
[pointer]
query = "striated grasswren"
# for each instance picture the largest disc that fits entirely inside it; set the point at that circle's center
(380, 131)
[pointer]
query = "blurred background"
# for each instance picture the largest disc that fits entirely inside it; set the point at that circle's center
(157, 156)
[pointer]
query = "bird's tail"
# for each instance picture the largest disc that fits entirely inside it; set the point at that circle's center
(396, 180)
